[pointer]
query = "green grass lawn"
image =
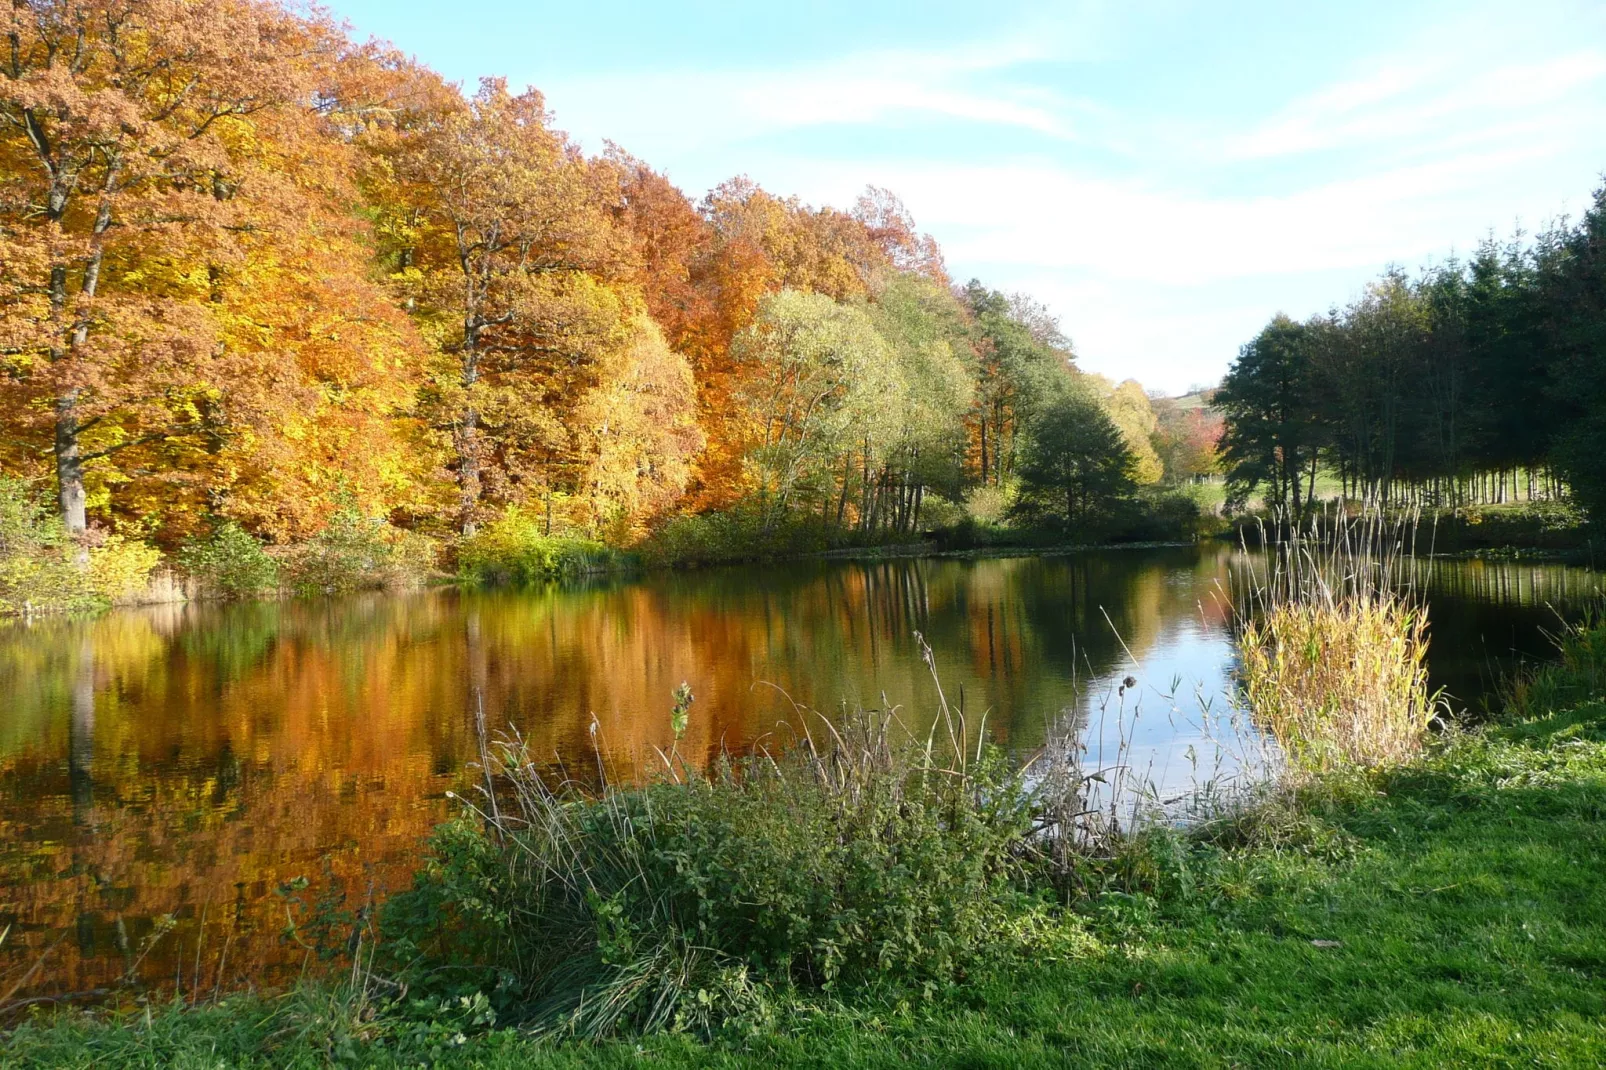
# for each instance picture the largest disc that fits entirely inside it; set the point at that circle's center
(1450, 914)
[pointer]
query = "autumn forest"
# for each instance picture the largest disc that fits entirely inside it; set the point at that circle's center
(255, 271)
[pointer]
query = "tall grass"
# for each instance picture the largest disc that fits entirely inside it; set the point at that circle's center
(1577, 675)
(1333, 645)
(862, 853)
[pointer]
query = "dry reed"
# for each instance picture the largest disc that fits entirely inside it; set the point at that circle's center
(1333, 645)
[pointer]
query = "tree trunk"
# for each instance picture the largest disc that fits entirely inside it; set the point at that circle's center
(984, 472)
(69, 465)
(1310, 492)
(468, 471)
(68, 449)
(468, 437)
(847, 477)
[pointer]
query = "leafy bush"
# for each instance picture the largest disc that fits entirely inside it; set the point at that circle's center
(988, 505)
(356, 551)
(972, 534)
(741, 534)
(1161, 514)
(230, 562)
(36, 566)
(687, 900)
(120, 568)
(1152, 515)
(514, 549)
(937, 512)
(39, 567)
(1545, 525)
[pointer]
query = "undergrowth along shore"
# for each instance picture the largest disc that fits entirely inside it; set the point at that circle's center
(43, 572)
(1434, 908)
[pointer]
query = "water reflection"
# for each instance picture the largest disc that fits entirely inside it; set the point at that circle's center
(186, 761)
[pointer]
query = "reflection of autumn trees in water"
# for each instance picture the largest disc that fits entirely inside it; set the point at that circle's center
(188, 760)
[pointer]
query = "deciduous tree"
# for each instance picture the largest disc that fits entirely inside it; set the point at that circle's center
(511, 237)
(125, 191)
(1075, 465)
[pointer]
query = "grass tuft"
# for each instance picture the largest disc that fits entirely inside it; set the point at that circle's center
(1577, 675)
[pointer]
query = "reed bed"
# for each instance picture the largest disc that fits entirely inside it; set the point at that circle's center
(1333, 643)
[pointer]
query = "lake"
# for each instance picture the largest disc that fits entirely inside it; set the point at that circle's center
(190, 762)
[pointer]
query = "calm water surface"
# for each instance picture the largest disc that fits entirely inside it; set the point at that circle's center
(187, 761)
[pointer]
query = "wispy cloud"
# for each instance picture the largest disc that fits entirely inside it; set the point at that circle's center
(1038, 215)
(1163, 229)
(1413, 98)
(972, 84)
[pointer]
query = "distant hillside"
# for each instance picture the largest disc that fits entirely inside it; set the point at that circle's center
(1199, 399)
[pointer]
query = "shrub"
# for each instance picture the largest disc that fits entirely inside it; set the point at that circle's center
(514, 549)
(1333, 653)
(356, 551)
(120, 568)
(938, 512)
(1544, 525)
(972, 534)
(1159, 514)
(230, 562)
(37, 571)
(40, 570)
(686, 900)
(741, 534)
(988, 505)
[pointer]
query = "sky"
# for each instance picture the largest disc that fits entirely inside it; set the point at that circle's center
(1164, 175)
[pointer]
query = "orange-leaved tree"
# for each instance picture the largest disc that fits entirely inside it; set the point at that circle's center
(186, 313)
(119, 193)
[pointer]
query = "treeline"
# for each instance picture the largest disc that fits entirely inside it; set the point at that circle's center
(253, 273)
(1473, 382)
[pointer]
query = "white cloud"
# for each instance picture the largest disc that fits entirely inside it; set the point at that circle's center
(706, 107)
(1163, 284)
(1127, 219)
(1039, 215)
(1421, 98)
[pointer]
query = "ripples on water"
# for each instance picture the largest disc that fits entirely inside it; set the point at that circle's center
(189, 760)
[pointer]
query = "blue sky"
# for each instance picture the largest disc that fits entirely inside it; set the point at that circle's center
(1164, 175)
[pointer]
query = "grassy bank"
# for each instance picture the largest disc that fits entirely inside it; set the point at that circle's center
(1555, 530)
(1448, 911)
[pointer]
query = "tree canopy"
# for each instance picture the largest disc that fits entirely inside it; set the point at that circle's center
(253, 269)
(1475, 381)
(1076, 464)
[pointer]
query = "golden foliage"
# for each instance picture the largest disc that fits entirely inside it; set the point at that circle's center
(249, 267)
